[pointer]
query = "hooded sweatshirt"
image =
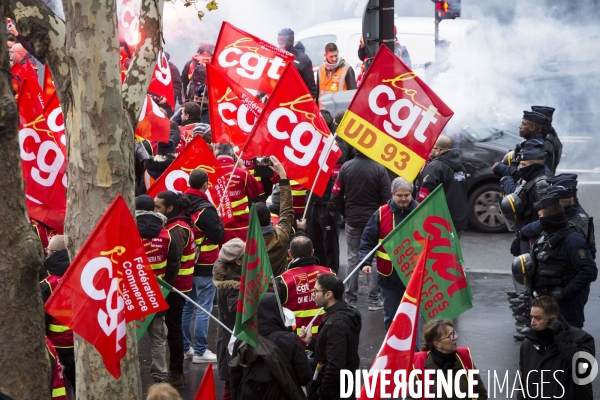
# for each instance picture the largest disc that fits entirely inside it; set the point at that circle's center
(149, 225)
(447, 169)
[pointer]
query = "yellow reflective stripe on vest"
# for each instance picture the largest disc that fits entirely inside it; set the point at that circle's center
(61, 391)
(58, 328)
(242, 212)
(298, 192)
(161, 276)
(209, 247)
(239, 202)
(314, 329)
(381, 254)
(186, 271)
(307, 313)
(159, 265)
(188, 258)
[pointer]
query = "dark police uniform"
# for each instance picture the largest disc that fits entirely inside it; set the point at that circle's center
(565, 269)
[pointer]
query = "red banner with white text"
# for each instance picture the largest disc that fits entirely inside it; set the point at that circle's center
(249, 61)
(153, 124)
(109, 283)
(233, 110)
(43, 155)
(292, 129)
(161, 84)
(394, 117)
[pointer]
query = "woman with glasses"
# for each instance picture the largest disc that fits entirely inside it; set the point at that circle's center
(439, 351)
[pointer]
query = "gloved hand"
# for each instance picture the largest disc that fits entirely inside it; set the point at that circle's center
(555, 326)
(496, 170)
(558, 293)
(516, 174)
(515, 247)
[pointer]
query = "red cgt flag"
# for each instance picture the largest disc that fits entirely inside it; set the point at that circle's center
(292, 129)
(109, 283)
(249, 61)
(49, 88)
(394, 117)
(43, 156)
(398, 348)
(153, 124)
(233, 110)
(206, 390)
(161, 83)
(197, 154)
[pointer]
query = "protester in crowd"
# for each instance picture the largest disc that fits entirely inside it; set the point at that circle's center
(277, 237)
(164, 260)
(362, 186)
(162, 391)
(381, 223)
(445, 168)
(226, 278)
(208, 233)
(190, 116)
(154, 166)
(57, 333)
(193, 73)
(30, 51)
(179, 224)
(552, 345)
(275, 370)
(203, 130)
(285, 40)
(60, 388)
(336, 348)
(243, 190)
(400, 51)
(335, 74)
(176, 80)
(295, 285)
(440, 352)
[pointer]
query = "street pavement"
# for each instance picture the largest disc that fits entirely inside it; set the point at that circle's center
(488, 328)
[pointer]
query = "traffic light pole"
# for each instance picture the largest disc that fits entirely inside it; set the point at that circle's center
(437, 27)
(386, 23)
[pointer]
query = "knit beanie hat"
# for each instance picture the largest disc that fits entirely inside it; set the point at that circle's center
(232, 250)
(144, 202)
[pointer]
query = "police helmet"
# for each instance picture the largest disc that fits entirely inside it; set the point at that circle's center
(512, 208)
(523, 268)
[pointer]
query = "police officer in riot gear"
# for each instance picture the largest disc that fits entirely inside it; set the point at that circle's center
(565, 267)
(553, 144)
(564, 187)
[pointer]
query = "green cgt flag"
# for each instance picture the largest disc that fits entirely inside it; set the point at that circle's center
(446, 291)
(256, 273)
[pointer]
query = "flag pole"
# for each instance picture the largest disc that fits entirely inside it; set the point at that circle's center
(346, 280)
(171, 288)
(318, 173)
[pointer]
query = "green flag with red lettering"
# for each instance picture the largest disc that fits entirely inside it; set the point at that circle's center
(256, 273)
(446, 291)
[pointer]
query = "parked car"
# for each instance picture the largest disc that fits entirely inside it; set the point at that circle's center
(480, 147)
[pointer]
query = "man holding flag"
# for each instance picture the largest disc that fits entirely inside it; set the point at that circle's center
(381, 223)
(337, 345)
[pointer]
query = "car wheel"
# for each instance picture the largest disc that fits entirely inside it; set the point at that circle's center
(484, 209)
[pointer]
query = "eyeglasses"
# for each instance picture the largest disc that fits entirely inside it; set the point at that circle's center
(313, 290)
(452, 336)
(50, 250)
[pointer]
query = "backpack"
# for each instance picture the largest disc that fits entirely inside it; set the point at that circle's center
(197, 73)
(263, 373)
(555, 147)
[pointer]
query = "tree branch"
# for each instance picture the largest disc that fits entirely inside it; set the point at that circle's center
(144, 59)
(46, 32)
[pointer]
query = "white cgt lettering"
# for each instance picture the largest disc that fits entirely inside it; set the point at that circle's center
(251, 65)
(398, 127)
(309, 150)
(163, 74)
(109, 319)
(47, 149)
(240, 118)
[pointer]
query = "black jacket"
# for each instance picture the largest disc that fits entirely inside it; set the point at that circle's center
(370, 239)
(447, 169)
(226, 277)
(336, 348)
(56, 264)
(362, 186)
(209, 223)
(149, 225)
(535, 356)
(304, 66)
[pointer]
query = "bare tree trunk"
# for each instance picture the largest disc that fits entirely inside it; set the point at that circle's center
(99, 115)
(24, 361)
